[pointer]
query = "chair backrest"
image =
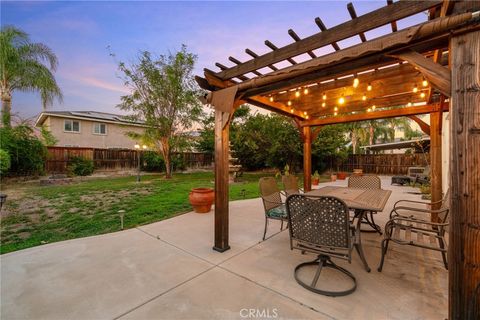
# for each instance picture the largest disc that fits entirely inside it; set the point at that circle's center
(415, 171)
(365, 182)
(290, 184)
(444, 217)
(320, 224)
(269, 192)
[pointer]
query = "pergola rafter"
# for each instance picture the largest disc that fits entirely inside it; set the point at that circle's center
(401, 73)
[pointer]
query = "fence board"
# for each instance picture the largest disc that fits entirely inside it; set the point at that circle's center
(388, 164)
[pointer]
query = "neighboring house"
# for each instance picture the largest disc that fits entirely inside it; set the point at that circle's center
(90, 129)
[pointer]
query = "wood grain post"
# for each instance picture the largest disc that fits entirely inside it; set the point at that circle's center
(222, 128)
(307, 159)
(436, 159)
(464, 246)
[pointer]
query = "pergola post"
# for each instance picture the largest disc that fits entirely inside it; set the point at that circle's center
(464, 247)
(307, 159)
(436, 158)
(222, 129)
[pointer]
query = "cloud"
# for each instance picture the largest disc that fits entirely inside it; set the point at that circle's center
(94, 82)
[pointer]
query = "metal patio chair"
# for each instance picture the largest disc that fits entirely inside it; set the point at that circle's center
(367, 182)
(321, 225)
(290, 185)
(272, 202)
(411, 225)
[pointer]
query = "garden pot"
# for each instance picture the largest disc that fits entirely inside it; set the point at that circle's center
(341, 175)
(333, 177)
(315, 181)
(201, 199)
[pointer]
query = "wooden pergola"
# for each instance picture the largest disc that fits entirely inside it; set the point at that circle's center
(428, 68)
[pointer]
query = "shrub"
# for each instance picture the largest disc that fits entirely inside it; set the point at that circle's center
(4, 162)
(152, 162)
(178, 162)
(80, 166)
(27, 152)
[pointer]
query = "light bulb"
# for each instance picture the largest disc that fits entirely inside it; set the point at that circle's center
(424, 83)
(305, 112)
(364, 97)
(368, 110)
(324, 104)
(409, 104)
(415, 89)
(271, 99)
(305, 91)
(369, 87)
(341, 100)
(335, 109)
(374, 107)
(291, 110)
(306, 117)
(289, 103)
(422, 95)
(297, 94)
(335, 113)
(324, 97)
(355, 82)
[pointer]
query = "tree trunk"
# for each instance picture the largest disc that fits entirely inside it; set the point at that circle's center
(354, 142)
(6, 108)
(372, 132)
(165, 149)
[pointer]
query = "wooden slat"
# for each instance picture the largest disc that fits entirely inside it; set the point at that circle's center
(254, 55)
(393, 23)
(322, 27)
(297, 38)
(353, 14)
(236, 61)
(384, 114)
(269, 44)
(223, 67)
(364, 23)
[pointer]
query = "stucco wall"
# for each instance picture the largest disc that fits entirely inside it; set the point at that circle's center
(115, 137)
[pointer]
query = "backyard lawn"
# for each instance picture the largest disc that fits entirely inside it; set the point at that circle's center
(36, 215)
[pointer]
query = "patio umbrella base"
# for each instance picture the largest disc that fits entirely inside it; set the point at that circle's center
(324, 261)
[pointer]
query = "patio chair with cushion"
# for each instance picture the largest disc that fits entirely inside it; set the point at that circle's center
(321, 225)
(272, 202)
(367, 182)
(410, 224)
(290, 185)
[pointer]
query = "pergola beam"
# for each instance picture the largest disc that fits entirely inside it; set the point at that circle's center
(274, 48)
(297, 38)
(369, 21)
(322, 27)
(422, 124)
(353, 14)
(393, 23)
(383, 114)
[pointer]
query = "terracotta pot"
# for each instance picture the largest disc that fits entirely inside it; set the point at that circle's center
(341, 175)
(201, 199)
(315, 181)
(333, 177)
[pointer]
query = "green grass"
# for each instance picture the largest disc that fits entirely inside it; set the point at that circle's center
(53, 213)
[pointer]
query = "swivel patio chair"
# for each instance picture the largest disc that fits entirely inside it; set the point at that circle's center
(290, 185)
(412, 225)
(367, 182)
(321, 225)
(272, 202)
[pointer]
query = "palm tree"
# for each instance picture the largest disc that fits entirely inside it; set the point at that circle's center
(25, 66)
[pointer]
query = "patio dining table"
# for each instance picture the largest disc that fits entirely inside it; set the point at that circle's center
(361, 201)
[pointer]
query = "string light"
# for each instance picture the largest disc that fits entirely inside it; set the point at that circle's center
(324, 104)
(305, 91)
(297, 94)
(415, 89)
(341, 100)
(409, 104)
(306, 117)
(368, 110)
(271, 99)
(289, 103)
(424, 83)
(355, 81)
(291, 110)
(324, 96)
(369, 87)
(335, 113)
(335, 109)
(364, 97)
(422, 95)
(373, 107)
(305, 112)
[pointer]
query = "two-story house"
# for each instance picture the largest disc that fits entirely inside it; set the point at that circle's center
(90, 129)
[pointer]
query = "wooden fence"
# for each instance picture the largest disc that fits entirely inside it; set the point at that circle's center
(389, 164)
(58, 158)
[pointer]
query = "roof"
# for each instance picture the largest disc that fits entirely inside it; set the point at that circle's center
(88, 115)
(398, 144)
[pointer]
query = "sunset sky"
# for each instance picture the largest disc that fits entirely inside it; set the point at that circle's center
(81, 32)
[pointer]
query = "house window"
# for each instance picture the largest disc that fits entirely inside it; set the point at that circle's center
(99, 128)
(71, 126)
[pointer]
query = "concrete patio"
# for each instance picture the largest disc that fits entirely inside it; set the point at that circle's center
(167, 270)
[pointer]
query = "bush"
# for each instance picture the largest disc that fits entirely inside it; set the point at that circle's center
(80, 166)
(27, 152)
(4, 162)
(152, 162)
(178, 162)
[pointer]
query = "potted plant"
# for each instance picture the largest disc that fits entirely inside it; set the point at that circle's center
(342, 175)
(201, 199)
(315, 178)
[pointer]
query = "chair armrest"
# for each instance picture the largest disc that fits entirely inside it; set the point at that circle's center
(438, 224)
(419, 202)
(421, 210)
(270, 201)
